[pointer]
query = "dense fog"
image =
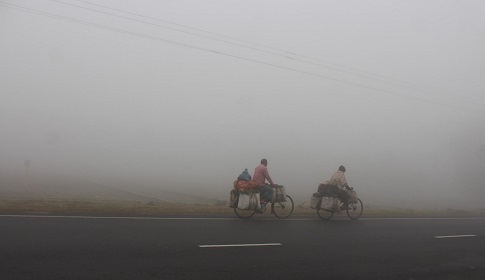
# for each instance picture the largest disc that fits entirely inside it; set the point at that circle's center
(184, 95)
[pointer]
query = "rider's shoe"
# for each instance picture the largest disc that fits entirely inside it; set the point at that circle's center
(344, 207)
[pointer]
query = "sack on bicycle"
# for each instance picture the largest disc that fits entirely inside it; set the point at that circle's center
(249, 200)
(240, 185)
(331, 204)
(353, 196)
(233, 198)
(244, 176)
(327, 189)
(279, 194)
(316, 200)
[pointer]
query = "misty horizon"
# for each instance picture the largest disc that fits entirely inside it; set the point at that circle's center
(186, 95)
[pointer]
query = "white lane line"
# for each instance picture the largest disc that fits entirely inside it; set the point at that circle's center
(456, 236)
(269, 219)
(240, 245)
(109, 217)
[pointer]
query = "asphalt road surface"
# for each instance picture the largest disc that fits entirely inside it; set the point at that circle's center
(43, 247)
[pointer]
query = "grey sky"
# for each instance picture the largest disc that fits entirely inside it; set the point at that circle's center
(391, 89)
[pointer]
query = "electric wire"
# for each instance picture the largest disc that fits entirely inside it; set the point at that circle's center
(186, 26)
(170, 28)
(334, 67)
(122, 31)
(293, 55)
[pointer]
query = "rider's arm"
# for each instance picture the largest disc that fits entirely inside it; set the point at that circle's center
(266, 175)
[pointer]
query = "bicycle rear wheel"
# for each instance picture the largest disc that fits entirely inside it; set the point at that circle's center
(283, 210)
(324, 214)
(355, 209)
(244, 214)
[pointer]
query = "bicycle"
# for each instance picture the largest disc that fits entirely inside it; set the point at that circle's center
(281, 210)
(354, 211)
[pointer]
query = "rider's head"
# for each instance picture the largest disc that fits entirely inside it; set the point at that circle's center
(264, 162)
(341, 168)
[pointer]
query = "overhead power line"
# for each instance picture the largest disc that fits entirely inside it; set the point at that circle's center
(186, 26)
(122, 31)
(286, 54)
(162, 26)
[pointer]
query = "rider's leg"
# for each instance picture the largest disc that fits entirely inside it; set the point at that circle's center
(344, 196)
(266, 193)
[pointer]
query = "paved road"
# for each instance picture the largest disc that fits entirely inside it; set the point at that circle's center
(157, 248)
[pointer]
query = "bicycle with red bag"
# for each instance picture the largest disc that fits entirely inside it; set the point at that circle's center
(246, 202)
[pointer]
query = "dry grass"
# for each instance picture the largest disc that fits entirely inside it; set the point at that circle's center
(110, 207)
(139, 208)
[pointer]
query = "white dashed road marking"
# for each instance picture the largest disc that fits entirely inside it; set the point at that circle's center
(240, 245)
(455, 236)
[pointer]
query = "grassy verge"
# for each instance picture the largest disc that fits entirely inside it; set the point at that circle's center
(107, 207)
(139, 208)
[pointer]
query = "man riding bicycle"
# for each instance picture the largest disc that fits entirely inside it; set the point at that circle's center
(260, 176)
(337, 185)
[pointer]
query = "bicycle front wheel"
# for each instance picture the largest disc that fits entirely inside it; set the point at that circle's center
(355, 209)
(283, 210)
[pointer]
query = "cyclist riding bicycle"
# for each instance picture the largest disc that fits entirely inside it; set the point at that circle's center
(259, 177)
(337, 186)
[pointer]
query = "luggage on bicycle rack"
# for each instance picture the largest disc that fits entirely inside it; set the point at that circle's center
(331, 204)
(249, 200)
(241, 185)
(316, 201)
(279, 194)
(327, 189)
(233, 199)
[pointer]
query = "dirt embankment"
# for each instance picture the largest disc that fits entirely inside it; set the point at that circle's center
(138, 208)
